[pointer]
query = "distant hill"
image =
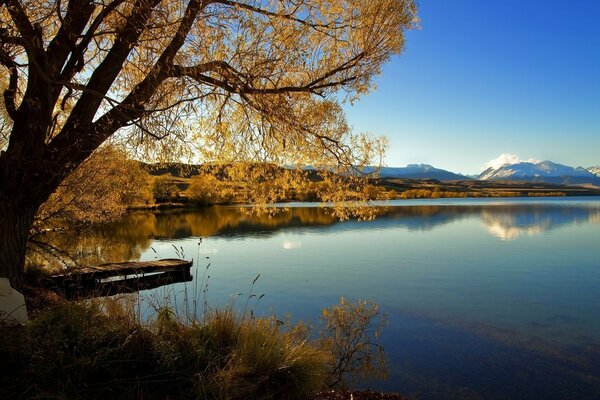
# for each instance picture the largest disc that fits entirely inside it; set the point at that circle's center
(545, 171)
(416, 171)
(180, 170)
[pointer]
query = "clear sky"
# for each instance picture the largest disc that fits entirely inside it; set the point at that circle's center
(487, 77)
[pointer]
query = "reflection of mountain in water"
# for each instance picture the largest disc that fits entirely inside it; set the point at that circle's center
(508, 224)
(129, 237)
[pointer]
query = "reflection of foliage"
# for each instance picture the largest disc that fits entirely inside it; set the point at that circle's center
(118, 241)
(99, 191)
(127, 238)
(351, 333)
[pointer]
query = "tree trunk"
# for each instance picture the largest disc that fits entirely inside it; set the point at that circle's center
(21, 195)
(16, 221)
(28, 176)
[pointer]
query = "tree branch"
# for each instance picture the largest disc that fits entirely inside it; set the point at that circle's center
(233, 80)
(11, 90)
(76, 62)
(268, 13)
(135, 101)
(22, 22)
(105, 74)
(76, 18)
(8, 39)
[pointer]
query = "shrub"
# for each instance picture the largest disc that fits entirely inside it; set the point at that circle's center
(270, 364)
(351, 333)
(164, 189)
(208, 189)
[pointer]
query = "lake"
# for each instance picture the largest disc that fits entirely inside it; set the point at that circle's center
(486, 298)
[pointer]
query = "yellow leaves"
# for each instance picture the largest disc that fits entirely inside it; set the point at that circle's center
(207, 189)
(291, 64)
(100, 190)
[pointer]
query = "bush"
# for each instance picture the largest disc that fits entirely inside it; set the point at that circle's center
(164, 189)
(351, 333)
(208, 189)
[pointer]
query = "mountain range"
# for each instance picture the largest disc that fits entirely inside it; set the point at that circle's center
(416, 171)
(545, 171)
(542, 172)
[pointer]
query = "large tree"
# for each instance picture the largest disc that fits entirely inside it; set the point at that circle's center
(241, 79)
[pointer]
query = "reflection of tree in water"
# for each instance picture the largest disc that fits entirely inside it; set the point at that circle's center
(129, 237)
(119, 241)
(228, 221)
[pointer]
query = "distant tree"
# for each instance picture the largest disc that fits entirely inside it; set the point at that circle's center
(164, 189)
(206, 188)
(252, 80)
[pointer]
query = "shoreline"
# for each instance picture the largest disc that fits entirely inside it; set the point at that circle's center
(188, 204)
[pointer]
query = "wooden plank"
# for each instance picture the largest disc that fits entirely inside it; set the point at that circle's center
(122, 269)
(100, 289)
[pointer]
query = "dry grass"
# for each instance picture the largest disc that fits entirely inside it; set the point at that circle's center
(77, 351)
(102, 349)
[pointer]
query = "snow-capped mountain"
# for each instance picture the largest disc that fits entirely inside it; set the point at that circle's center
(416, 171)
(595, 170)
(545, 171)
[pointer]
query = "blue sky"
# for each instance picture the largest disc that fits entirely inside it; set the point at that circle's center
(483, 78)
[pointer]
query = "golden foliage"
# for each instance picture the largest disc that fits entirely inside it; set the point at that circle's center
(164, 188)
(208, 189)
(100, 190)
(251, 81)
(546, 194)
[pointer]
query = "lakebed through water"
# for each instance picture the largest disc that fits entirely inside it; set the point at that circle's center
(486, 298)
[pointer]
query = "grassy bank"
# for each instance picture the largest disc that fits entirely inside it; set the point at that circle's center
(93, 351)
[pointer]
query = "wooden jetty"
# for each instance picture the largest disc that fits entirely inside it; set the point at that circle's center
(126, 277)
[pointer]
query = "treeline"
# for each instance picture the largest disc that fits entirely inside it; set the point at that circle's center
(438, 193)
(108, 184)
(244, 183)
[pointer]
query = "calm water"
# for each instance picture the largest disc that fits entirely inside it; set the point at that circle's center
(485, 298)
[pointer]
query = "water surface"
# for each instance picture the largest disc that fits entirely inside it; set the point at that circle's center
(485, 298)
